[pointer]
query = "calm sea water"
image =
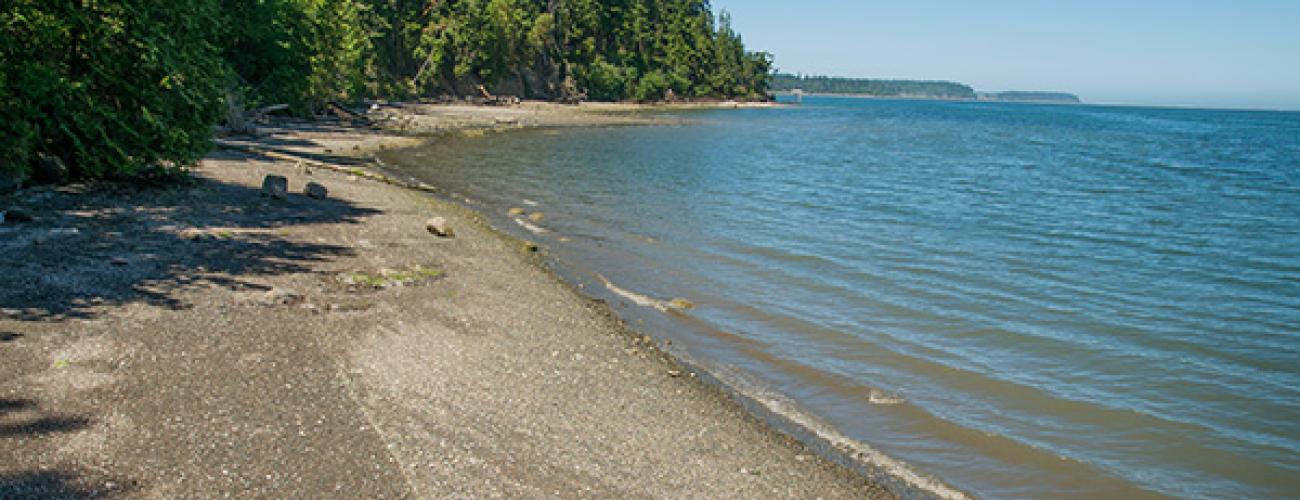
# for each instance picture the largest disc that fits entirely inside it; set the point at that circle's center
(1017, 300)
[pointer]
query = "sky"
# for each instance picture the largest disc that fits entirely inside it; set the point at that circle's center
(1224, 53)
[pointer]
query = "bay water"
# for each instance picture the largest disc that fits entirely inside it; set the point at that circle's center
(1012, 300)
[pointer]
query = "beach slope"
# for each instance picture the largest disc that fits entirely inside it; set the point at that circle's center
(208, 340)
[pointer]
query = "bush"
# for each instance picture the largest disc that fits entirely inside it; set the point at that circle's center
(607, 82)
(652, 87)
(108, 86)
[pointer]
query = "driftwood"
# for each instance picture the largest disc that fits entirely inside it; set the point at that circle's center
(348, 115)
(492, 100)
(261, 112)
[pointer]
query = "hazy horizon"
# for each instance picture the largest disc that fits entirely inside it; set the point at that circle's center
(1195, 54)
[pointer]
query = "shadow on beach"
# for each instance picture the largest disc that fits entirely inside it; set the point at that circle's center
(108, 244)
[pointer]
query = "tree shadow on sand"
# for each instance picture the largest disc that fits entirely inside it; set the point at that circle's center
(59, 484)
(113, 244)
(36, 423)
(23, 419)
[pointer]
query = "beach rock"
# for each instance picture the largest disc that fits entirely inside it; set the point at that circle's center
(275, 186)
(49, 169)
(530, 246)
(516, 211)
(438, 226)
(315, 190)
(536, 216)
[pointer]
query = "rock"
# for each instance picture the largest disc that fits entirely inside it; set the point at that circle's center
(49, 169)
(536, 216)
(275, 186)
(516, 211)
(530, 246)
(14, 215)
(674, 373)
(438, 226)
(315, 190)
(680, 303)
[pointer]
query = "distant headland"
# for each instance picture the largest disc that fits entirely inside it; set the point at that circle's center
(912, 89)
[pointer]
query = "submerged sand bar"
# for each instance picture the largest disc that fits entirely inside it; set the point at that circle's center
(206, 341)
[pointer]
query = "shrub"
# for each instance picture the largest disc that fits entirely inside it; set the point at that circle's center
(108, 86)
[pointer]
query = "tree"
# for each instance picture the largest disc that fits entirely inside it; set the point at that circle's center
(108, 86)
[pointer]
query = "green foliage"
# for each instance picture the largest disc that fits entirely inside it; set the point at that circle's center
(108, 86)
(881, 88)
(111, 86)
(304, 53)
(608, 49)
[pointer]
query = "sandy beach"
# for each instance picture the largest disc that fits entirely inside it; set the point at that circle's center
(207, 340)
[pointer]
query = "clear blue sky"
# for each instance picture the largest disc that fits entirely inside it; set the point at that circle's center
(1225, 53)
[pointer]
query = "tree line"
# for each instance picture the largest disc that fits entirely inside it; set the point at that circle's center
(872, 87)
(111, 86)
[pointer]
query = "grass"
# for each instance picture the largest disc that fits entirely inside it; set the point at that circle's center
(390, 277)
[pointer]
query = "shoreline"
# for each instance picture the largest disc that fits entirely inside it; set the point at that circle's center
(450, 380)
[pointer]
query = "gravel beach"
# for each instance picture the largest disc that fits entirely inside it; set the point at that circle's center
(209, 340)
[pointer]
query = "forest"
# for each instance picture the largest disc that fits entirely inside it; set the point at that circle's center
(872, 87)
(109, 87)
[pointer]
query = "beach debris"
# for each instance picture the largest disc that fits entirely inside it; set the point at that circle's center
(674, 373)
(316, 190)
(389, 277)
(680, 303)
(118, 261)
(438, 226)
(275, 186)
(530, 246)
(536, 216)
(516, 211)
(194, 234)
(282, 297)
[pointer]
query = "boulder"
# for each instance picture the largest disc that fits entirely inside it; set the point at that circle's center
(315, 190)
(438, 226)
(49, 169)
(275, 186)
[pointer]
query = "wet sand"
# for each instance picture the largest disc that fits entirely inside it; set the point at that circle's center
(205, 340)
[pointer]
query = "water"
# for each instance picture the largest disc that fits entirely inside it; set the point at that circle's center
(1017, 300)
